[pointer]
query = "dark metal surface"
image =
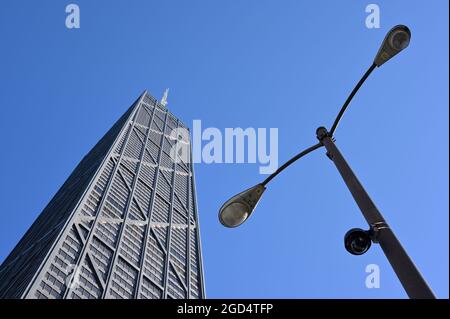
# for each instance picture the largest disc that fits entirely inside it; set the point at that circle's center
(408, 274)
(350, 97)
(292, 160)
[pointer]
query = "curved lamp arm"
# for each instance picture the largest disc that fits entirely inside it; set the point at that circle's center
(333, 128)
(292, 160)
(350, 97)
(238, 208)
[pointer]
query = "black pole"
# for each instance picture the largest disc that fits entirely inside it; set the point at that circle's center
(409, 276)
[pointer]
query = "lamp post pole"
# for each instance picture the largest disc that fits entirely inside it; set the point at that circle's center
(238, 209)
(380, 232)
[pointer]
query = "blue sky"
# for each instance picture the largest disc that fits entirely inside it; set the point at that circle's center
(281, 64)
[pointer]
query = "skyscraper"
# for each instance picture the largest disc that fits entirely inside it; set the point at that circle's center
(123, 225)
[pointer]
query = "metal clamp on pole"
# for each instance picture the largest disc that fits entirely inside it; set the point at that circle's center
(375, 229)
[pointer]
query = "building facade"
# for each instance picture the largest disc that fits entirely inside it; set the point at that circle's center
(123, 225)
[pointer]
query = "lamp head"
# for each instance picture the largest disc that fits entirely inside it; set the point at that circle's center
(238, 209)
(396, 40)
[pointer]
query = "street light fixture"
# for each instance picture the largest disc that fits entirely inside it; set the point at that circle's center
(357, 241)
(238, 209)
(395, 41)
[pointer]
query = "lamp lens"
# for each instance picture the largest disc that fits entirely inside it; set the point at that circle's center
(400, 40)
(360, 245)
(234, 214)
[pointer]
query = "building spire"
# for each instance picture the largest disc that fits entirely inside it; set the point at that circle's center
(164, 98)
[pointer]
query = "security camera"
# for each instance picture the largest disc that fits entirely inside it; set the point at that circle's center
(357, 241)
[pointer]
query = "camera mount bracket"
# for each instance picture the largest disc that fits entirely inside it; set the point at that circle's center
(375, 230)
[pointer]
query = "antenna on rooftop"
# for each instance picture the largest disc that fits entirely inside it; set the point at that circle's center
(164, 98)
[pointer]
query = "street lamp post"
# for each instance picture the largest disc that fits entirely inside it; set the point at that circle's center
(238, 209)
(379, 231)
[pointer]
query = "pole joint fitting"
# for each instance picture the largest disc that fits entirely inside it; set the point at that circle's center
(321, 133)
(375, 229)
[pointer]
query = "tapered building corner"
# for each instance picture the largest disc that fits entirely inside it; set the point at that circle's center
(123, 225)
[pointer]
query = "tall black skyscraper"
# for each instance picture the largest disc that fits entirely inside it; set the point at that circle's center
(123, 225)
